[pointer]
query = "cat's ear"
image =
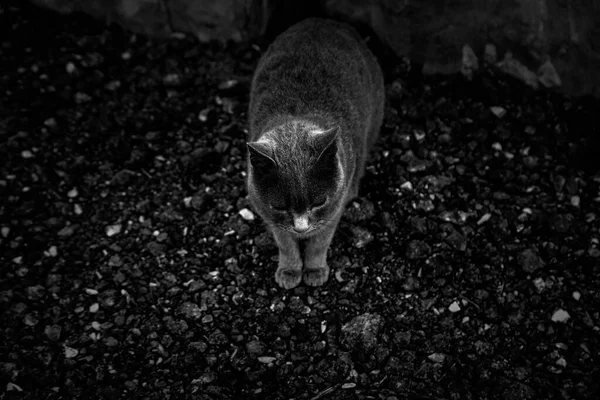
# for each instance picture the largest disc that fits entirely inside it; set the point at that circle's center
(261, 155)
(326, 142)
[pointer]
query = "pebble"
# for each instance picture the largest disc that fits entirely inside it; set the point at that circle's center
(52, 251)
(50, 123)
(362, 237)
(416, 249)
(575, 201)
(498, 111)
(454, 307)
(530, 260)
(190, 310)
(437, 357)
(5, 231)
(484, 218)
(247, 214)
(560, 315)
(539, 284)
(26, 154)
(349, 385)
(266, 359)
(70, 68)
(561, 362)
(255, 347)
(94, 308)
(361, 332)
(576, 296)
(52, 332)
(112, 230)
(71, 352)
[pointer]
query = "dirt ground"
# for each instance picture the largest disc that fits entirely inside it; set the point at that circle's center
(133, 267)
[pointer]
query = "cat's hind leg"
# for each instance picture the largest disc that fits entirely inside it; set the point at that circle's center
(289, 270)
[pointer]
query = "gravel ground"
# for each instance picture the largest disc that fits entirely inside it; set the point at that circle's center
(133, 267)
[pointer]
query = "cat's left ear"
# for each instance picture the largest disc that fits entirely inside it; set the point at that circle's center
(326, 142)
(261, 155)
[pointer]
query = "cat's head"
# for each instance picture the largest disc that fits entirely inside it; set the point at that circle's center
(296, 179)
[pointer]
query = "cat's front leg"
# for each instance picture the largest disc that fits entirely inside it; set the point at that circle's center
(316, 270)
(289, 270)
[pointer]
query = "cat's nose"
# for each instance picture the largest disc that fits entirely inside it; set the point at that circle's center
(301, 223)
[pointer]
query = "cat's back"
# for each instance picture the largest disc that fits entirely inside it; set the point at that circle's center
(317, 66)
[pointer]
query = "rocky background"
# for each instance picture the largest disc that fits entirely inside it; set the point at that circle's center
(133, 267)
(549, 43)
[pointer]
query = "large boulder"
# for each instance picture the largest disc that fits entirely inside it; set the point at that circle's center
(552, 43)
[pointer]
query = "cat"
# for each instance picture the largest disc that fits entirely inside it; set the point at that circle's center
(316, 108)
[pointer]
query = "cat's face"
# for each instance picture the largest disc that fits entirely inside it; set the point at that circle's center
(296, 187)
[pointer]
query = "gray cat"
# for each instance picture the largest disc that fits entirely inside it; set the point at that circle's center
(316, 107)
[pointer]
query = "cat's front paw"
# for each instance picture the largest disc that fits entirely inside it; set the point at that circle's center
(315, 276)
(288, 277)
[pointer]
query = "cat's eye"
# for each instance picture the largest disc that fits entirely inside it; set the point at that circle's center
(319, 202)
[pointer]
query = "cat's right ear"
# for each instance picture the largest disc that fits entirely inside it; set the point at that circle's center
(261, 156)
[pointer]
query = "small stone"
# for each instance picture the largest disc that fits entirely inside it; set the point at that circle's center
(489, 54)
(416, 249)
(539, 284)
(247, 214)
(115, 261)
(470, 62)
(50, 123)
(71, 352)
(52, 332)
(111, 342)
(81, 98)
(13, 387)
(406, 186)
(484, 218)
(361, 332)
(190, 310)
(66, 231)
(126, 55)
(561, 362)
(575, 201)
(94, 308)
(266, 359)
(530, 260)
(122, 177)
(560, 315)
(576, 296)
(172, 80)
(70, 68)
(437, 357)
(91, 292)
(228, 84)
(548, 76)
(112, 230)
(77, 209)
(349, 385)
(5, 231)
(30, 320)
(52, 251)
(498, 111)
(454, 307)
(255, 347)
(362, 237)
(26, 154)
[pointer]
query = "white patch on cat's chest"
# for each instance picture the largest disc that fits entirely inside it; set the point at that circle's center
(301, 222)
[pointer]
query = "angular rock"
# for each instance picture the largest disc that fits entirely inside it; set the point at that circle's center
(361, 333)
